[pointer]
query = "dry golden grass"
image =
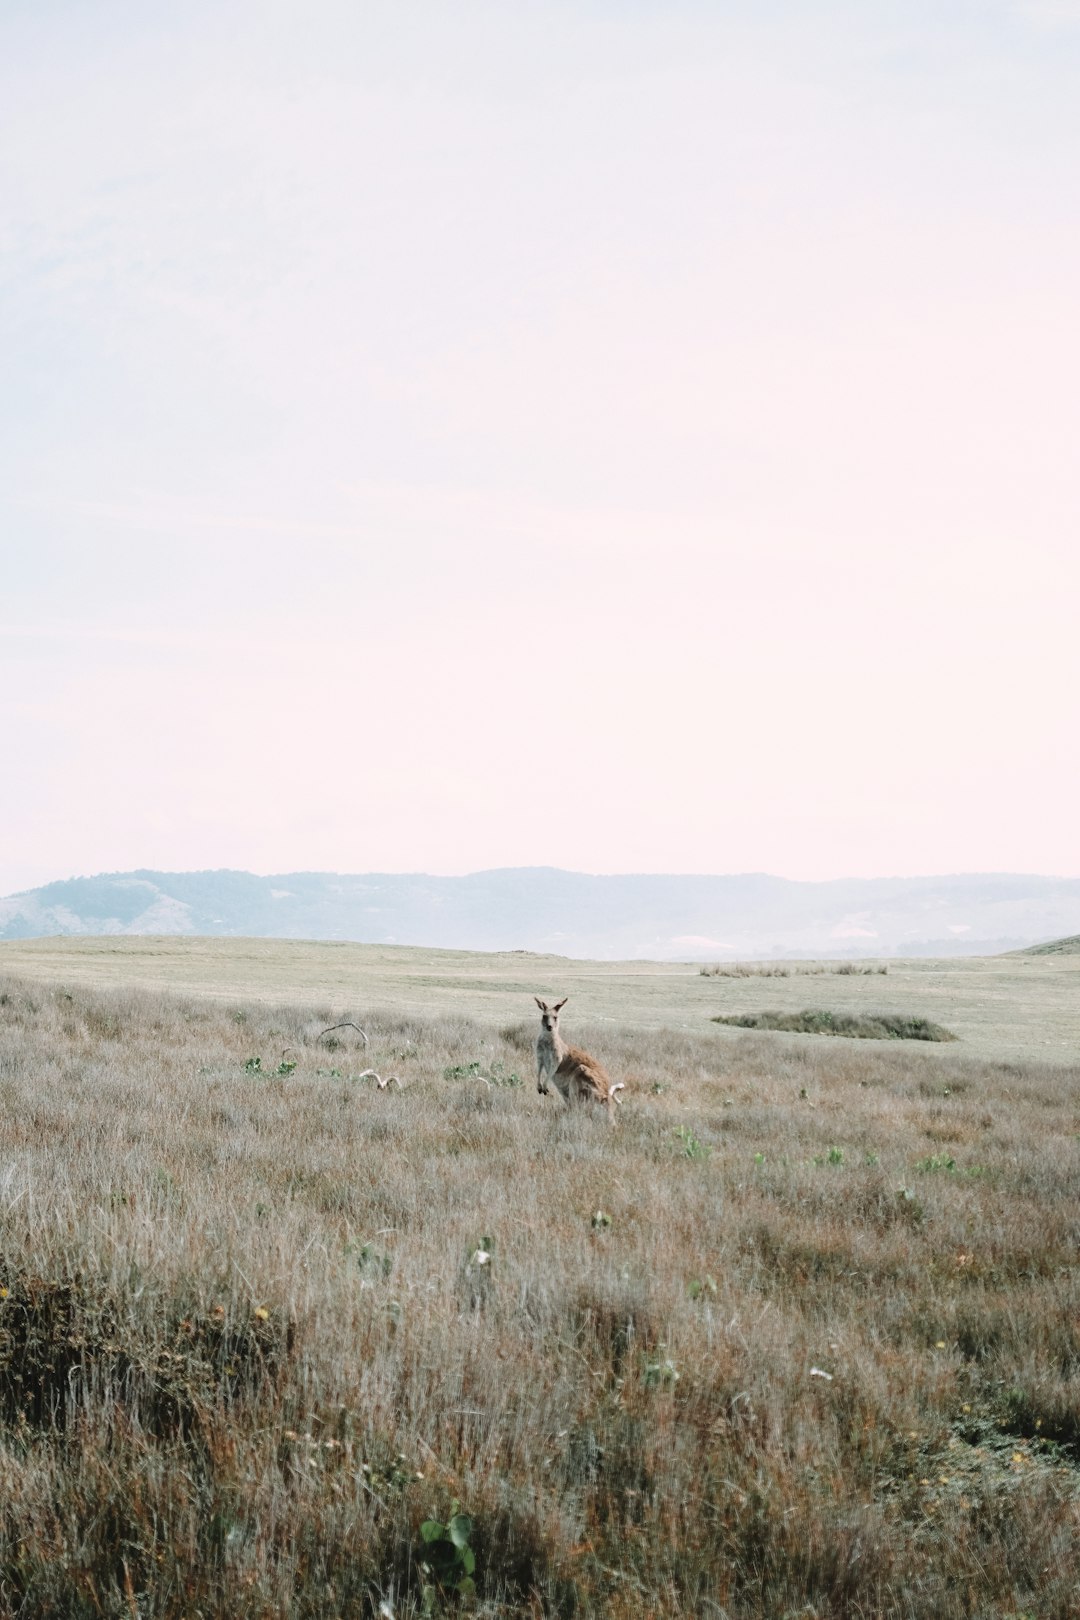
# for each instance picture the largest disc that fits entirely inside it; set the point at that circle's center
(247, 1346)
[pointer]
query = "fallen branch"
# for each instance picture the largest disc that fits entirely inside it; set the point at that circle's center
(348, 1024)
(381, 1084)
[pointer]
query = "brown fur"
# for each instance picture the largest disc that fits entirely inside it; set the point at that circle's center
(580, 1078)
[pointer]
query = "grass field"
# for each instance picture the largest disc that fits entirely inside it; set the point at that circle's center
(1018, 1006)
(799, 1336)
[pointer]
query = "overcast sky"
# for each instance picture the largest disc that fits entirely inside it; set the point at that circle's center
(629, 435)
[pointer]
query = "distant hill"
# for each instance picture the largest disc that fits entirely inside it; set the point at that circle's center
(657, 917)
(1055, 947)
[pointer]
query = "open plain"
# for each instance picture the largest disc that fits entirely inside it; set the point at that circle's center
(800, 1336)
(1015, 1006)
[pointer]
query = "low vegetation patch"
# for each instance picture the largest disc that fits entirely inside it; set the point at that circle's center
(785, 970)
(864, 1026)
(277, 1343)
(492, 1073)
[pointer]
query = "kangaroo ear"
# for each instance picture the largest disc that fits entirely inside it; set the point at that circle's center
(560, 1004)
(543, 1006)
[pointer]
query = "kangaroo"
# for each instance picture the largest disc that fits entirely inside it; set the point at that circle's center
(576, 1076)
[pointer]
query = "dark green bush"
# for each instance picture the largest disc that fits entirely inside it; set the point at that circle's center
(864, 1026)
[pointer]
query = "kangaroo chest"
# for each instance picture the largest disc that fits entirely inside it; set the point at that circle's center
(549, 1055)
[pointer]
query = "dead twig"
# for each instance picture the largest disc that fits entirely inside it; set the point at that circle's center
(348, 1024)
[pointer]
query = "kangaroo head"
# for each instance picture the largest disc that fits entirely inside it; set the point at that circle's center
(549, 1016)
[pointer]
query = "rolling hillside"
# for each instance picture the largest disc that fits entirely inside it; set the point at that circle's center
(1055, 947)
(658, 917)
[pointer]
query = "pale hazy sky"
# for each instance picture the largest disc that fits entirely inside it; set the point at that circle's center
(615, 434)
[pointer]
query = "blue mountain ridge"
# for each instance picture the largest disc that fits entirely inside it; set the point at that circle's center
(649, 916)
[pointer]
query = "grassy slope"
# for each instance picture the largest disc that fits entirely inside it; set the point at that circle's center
(242, 1320)
(1054, 947)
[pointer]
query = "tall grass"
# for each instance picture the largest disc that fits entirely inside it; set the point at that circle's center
(821, 1357)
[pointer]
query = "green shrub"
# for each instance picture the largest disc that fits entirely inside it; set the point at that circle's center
(861, 1026)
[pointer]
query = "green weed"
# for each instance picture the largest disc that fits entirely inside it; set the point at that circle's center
(692, 1145)
(447, 1560)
